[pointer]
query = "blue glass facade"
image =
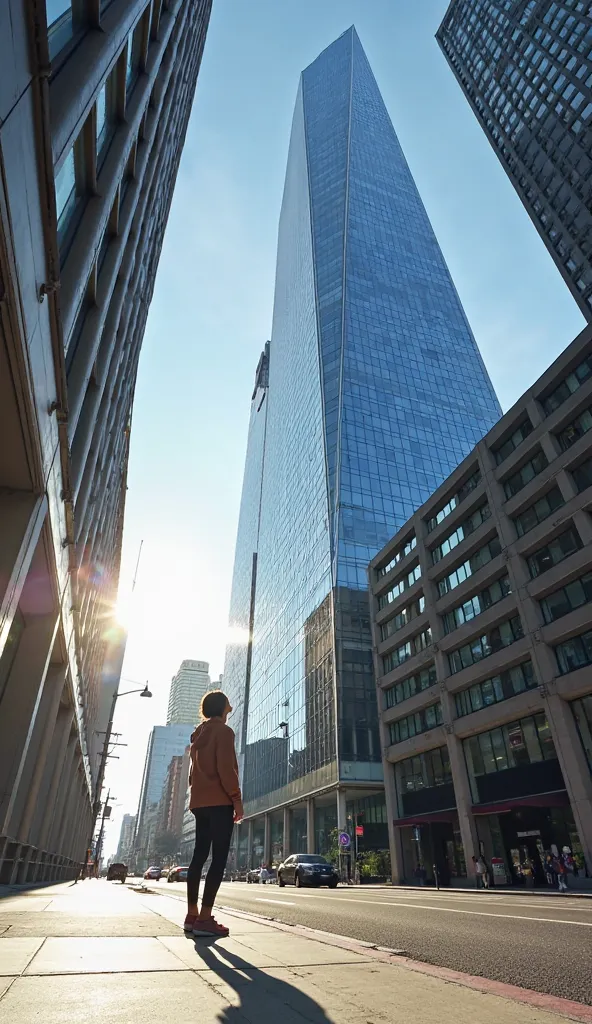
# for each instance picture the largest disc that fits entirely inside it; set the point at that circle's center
(376, 392)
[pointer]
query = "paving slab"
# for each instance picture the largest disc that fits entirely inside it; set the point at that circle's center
(98, 956)
(16, 954)
(34, 903)
(297, 951)
(189, 951)
(114, 999)
(86, 925)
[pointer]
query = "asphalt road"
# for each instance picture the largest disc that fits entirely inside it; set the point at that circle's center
(540, 942)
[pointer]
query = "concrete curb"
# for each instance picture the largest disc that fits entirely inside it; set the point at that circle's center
(565, 1008)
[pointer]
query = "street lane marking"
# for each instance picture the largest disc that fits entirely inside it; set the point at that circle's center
(445, 910)
(282, 903)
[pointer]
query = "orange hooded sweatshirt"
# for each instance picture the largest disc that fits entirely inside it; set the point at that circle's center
(214, 770)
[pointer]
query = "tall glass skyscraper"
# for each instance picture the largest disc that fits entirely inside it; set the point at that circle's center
(525, 67)
(371, 390)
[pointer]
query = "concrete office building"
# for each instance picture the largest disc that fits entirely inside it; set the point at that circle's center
(370, 391)
(174, 793)
(526, 69)
(482, 622)
(126, 838)
(94, 102)
(188, 686)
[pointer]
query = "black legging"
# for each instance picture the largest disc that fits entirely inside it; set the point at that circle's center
(213, 829)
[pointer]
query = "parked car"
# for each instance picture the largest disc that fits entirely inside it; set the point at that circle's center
(177, 874)
(307, 869)
(117, 873)
(254, 876)
(153, 873)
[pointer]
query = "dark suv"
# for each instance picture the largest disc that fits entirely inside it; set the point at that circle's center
(307, 869)
(117, 873)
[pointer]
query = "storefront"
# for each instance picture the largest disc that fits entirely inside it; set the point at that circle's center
(516, 840)
(521, 805)
(432, 851)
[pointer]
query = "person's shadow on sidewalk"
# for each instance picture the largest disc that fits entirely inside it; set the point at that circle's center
(263, 998)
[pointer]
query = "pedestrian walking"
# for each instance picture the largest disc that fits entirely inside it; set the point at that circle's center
(480, 872)
(216, 803)
(561, 873)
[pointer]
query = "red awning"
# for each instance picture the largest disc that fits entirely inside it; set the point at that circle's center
(558, 799)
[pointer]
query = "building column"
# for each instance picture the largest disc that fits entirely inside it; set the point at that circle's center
(310, 825)
(42, 741)
(286, 837)
(62, 794)
(574, 768)
(394, 833)
(55, 765)
(464, 802)
(341, 811)
(267, 839)
(22, 695)
(250, 845)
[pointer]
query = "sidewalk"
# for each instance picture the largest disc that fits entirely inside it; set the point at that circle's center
(100, 951)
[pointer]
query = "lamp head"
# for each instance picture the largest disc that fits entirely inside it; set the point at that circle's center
(146, 692)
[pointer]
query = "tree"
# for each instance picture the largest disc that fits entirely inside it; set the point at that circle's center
(166, 844)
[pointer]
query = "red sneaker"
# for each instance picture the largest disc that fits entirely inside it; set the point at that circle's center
(210, 927)
(189, 923)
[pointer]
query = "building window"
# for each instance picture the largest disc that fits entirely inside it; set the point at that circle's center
(469, 567)
(510, 445)
(408, 687)
(60, 24)
(576, 429)
(574, 653)
(554, 552)
(66, 192)
(568, 598)
(414, 725)
(568, 386)
(477, 604)
(537, 513)
(400, 587)
(397, 557)
(464, 530)
(412, 647)
(105, 118)
(424, 771)
(525, 474)
(582, 710)
(583, 475)
(402, 618)
(500, 687)
(134, 57)
(526, 741)
(483, 646)
(454, 501)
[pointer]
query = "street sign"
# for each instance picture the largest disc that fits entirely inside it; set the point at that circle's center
(344, 840)
(359, 830)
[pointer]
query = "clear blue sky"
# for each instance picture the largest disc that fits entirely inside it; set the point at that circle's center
(212, 305)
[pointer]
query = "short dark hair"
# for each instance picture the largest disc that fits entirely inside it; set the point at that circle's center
(213, 704)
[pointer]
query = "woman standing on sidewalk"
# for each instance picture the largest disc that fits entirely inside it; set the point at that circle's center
(216, 803)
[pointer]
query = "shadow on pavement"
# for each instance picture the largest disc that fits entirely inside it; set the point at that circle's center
(263, 998)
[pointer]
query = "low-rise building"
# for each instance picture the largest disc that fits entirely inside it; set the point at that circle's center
(482, 631)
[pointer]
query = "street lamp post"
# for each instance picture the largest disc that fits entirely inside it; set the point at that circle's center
(144, 692)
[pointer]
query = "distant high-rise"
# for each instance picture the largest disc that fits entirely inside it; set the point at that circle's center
(126, 838)
(370, 392)
(187, 689)
(525, 67)
(165, 742)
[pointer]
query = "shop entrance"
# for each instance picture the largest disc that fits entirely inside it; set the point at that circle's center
(430, 849)
(530, 834)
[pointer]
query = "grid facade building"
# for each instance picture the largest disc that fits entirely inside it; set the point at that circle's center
(126, 838)
(165, 743)
(371, 390)
(94, 102)
(188, 686)
(525, 67)
(481, 611)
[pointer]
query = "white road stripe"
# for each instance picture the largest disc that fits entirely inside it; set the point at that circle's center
(282, 903)
(452, 910)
